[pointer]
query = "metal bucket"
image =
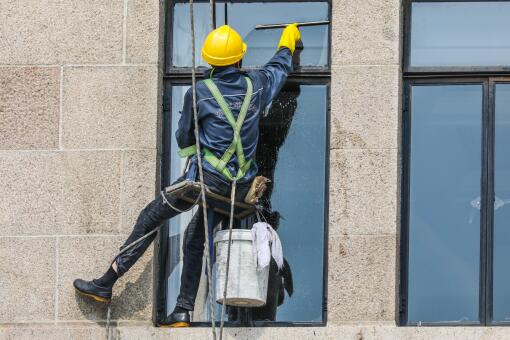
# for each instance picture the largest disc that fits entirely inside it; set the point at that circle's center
(247, 286)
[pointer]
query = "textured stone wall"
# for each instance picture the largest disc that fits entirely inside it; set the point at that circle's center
(79, 91)
(363, 170)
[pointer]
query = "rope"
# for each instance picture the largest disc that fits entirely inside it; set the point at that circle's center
(108, 329)
(165, 200)
(134, 243)
(212, 14)
(200, 170)
(231, 223)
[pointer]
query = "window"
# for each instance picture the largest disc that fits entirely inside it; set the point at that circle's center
(455, 220)
(292, 151)
(244, 16)
(459, 34)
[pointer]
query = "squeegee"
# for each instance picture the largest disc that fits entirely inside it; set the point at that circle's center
(283, 25)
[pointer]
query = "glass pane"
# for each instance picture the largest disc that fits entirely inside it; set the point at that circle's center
(176, 225)
(501, 288)
(292, 152)
(262, 44)
(181, 38)
(460, 33)
(444, 208)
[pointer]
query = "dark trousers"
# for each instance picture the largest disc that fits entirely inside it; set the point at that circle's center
(157, 212)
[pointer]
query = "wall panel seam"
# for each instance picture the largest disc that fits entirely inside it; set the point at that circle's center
(61, 109)
(61, 235)
(333, 66)
(79, 65)
(56, 276)
(12, 151)
(124, 32)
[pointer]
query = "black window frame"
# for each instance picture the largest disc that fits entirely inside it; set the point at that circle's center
(488, 77)
(441, 70)
(178, 76)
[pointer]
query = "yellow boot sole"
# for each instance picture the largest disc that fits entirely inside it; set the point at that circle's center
(95, 297)
(176, 325)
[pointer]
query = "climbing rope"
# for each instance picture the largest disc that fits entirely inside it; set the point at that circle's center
(200, 170)
(202, 186)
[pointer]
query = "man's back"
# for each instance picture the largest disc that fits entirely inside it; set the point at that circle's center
(216, 133)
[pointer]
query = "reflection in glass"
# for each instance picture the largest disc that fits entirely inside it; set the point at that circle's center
(460, 33)
(181, 38)
(262, 44)
(292, 151)
(292, 154)
(444, 225)
(501, 239)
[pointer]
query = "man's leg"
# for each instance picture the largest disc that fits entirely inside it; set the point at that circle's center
(194, 240)
(151, 217)
(193, 251)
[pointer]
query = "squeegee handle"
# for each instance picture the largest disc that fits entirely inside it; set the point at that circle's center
(308, 23)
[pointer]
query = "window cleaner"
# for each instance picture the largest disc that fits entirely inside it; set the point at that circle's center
(221, 142)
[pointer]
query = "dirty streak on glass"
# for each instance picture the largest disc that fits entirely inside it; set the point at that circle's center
(297, 160)
(181, 37)
(262, 44)
(501, 239)
(460, 33)
(444, 208)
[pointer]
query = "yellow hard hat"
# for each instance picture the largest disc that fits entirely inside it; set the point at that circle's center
(223, 46)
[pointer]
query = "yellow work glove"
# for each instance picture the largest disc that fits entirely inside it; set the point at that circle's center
(290, 36)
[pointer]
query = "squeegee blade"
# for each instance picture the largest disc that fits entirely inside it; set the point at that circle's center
(300, 24)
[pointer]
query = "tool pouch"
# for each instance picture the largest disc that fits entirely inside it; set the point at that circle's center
(257, 189)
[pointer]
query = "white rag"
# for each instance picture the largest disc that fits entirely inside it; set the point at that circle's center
(266, 243)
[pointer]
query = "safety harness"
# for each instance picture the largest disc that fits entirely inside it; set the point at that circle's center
(236, 147)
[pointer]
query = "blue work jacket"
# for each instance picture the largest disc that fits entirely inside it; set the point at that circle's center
(216, 133)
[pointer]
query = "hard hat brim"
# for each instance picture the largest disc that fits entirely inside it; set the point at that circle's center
(215, 61)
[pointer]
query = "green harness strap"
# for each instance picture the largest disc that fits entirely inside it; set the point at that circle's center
(236, 147)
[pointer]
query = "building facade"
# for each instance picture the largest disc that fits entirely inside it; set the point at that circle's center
(82, 125)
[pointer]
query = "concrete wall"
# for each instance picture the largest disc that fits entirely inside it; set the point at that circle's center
(79, 98)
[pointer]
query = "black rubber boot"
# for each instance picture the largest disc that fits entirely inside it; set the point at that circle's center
(92, 290)
(176, 319)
